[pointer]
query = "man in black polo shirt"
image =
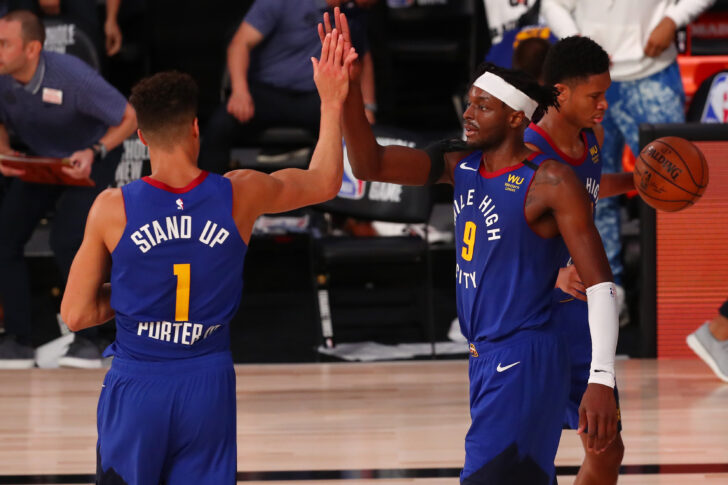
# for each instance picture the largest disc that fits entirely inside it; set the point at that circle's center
(57, 106)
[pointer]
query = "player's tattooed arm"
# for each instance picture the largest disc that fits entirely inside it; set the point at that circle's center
(562, 195)
(546, 180)
(558, 192)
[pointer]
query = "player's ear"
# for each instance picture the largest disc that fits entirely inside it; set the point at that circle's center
(141, 137)
(564, 91)
(516, 119)
(196, 128)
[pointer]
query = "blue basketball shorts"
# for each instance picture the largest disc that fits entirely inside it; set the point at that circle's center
(168, 422)
(572, 317)
(518, 392)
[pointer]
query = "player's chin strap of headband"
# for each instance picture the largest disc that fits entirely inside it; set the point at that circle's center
(604, 329)
(513, 97)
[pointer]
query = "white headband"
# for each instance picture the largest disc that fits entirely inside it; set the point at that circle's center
(507, 93)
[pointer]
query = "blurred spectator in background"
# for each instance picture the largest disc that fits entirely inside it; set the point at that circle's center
(81, 13)
(519, 38)
(523, 49)
(112, 32)
(710, 342)
(529, 55)
(646, 85)
(57, 106)
(270, 73)
(507, 15)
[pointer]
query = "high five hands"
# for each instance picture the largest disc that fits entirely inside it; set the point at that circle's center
(342, 26)
(331, 71)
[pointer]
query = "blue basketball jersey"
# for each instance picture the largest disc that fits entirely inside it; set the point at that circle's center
(177, 272)
(588, 167)
(505, 272)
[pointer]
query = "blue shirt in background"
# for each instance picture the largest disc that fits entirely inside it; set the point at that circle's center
(66, 107)
(501, 54)
(283, 58)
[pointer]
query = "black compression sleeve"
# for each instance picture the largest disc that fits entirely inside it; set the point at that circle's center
(436, 151)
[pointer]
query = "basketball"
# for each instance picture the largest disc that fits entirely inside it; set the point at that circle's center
(671, 174)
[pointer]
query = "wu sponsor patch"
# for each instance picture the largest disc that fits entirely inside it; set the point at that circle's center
(594, 153)
(513, 183)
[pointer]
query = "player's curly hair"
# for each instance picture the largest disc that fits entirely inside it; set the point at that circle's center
(165, 103)
(545, 96)
(573, 59)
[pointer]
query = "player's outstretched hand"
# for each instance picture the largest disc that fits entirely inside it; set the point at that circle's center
(331, 72)
(598, 417)
(342, 25)
(569, 282)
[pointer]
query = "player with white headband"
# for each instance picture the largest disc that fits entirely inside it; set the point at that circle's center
(516, 213)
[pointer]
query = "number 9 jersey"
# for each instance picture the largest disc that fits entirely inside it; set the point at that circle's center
(505, 272)
(177, 271)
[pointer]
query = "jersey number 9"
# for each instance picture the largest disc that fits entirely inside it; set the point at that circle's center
(469, 240)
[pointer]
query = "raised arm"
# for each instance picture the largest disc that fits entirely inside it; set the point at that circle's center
(256, 193)
(368, 159)
(87, 298)
(368, 87)
(562, 194)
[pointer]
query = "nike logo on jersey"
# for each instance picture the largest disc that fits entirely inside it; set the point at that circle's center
(501, 369)
(465, 167)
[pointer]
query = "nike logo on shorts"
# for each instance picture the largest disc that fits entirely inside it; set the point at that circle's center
(501, 369)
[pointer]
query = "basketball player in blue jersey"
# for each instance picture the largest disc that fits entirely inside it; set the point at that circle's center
(579, 68)
(173, 245)
(516, 214)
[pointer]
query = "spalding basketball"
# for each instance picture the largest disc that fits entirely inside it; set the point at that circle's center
(671, 174)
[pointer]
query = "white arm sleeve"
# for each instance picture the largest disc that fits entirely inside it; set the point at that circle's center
(559, 15)
(685, 11)
(604, 329)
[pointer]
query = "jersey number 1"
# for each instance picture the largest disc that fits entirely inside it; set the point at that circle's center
(182, 305)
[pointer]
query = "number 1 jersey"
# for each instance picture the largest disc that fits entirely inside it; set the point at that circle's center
(177, 272)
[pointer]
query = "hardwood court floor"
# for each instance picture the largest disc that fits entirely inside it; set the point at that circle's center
(371, 424)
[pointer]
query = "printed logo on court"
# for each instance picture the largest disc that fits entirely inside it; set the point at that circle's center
(716, 107)
(351, 187)
(514, 182)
